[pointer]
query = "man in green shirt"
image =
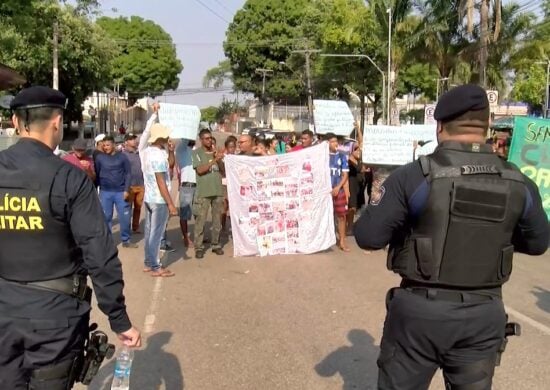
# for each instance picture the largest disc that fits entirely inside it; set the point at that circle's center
(208, 165)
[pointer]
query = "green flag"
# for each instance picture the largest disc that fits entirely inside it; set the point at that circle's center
(530, 151)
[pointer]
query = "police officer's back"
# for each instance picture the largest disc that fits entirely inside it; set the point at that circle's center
(453, 220)
(52, 235)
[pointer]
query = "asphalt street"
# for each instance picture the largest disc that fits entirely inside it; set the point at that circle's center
(293, 322)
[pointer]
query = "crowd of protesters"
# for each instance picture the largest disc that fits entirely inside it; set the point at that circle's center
(138, 175)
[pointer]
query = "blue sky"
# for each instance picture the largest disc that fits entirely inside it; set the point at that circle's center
(198, 33)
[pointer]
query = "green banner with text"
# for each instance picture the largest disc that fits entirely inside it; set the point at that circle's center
(530, 151)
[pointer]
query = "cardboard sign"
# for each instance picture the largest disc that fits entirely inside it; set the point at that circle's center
(530, 151)
(394, 145)
(182, 120)
(332, 116)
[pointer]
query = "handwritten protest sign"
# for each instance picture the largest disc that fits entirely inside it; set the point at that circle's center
(332, 116)
(394, 145)
(530, 151)
(182, 120)
(281, 204)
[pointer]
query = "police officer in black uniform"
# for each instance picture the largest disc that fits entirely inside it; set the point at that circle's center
(452, 220)
(52, 235)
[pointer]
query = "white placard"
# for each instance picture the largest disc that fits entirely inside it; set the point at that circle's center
(394, 145)
(332, 116)
(182, 120)
(281, 204)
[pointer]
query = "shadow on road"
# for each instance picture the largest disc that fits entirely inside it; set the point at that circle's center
(356, 363)
(543, 298)
(151, 368)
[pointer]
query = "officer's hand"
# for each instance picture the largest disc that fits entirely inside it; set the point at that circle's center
(173, 210)
(131, 338)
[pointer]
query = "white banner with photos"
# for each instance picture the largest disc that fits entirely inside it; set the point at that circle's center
(281, 204)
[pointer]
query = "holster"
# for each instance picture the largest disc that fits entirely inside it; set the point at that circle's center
(97, 348)
(510, 329)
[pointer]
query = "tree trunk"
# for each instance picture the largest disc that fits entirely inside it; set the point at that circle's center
(484, 42)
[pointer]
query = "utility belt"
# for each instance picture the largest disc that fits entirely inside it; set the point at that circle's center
(458, 296)
(75, 286)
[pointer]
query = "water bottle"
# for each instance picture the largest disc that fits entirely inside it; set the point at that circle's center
(123, 366)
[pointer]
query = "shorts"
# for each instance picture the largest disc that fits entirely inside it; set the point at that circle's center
(186, 202)
(340, 204)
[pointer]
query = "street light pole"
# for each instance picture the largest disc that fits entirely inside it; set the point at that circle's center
(263, 72)
(384, 107)
(55, 81)
(388, 105)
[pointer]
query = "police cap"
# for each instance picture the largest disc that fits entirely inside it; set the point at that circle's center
(459, 101)
(37, 97)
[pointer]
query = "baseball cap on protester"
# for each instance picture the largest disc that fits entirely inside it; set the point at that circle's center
(158, 131)
(38, 97)
(80, 144)
(99, 138)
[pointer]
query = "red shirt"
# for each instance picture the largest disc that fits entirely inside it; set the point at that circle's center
(296, 148)
(86, 164)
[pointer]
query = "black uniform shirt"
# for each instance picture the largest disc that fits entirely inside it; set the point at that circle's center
(405, 195)
(99, 254)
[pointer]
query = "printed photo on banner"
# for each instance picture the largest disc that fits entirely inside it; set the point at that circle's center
(289, 210)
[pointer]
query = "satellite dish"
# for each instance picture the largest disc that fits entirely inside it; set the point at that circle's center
(5, 101)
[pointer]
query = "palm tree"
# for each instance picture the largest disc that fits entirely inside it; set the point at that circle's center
(466, 9)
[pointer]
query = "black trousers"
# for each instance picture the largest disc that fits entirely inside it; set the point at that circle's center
(422, 334)
(31, 344)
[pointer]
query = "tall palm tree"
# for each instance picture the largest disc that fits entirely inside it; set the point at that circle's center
(490, 15)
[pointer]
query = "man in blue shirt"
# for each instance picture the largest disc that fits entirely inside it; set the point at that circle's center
(339, 171)
(113, 176)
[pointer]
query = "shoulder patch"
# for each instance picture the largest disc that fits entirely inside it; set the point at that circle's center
(376, 196)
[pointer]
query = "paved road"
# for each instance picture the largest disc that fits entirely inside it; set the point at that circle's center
(296, 322)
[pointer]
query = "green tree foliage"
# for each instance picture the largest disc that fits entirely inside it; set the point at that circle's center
(217, 75)
(263, 34)
(83, 53)
(146, 61)
(209, 114)
(529, 86)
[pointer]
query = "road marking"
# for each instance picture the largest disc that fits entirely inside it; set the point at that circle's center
(150, 317)
(534, 323)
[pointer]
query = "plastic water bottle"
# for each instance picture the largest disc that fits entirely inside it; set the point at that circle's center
(123, 366)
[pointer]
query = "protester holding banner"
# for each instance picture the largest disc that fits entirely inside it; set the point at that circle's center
(208, 165)
(246, 145)
(339, 171)
(307, 140)
(230, 148)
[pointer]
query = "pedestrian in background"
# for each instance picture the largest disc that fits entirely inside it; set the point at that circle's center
(230, 148)
(80, 159)
(188, 183)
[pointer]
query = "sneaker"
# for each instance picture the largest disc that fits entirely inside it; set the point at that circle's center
(129, 245)
(218, 251)
(167, 248)
(199, 254)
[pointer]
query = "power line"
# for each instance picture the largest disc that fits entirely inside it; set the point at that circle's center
(212, 11)
(223, 6)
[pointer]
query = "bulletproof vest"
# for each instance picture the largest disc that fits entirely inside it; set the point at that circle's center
(462, 238)
(36, 244)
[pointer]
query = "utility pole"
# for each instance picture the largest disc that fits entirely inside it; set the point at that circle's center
(307, 53)
(389, 93)
(55, 55)
(264, 73)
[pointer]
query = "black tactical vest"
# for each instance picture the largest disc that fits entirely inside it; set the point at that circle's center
(462, 238)
(35, 244)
